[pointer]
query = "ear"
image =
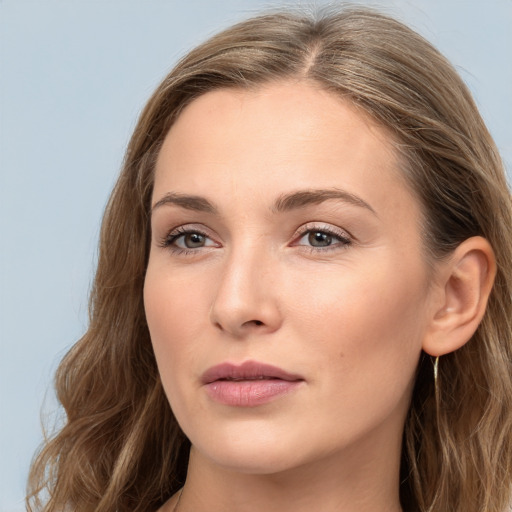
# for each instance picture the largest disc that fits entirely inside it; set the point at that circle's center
(463, 284)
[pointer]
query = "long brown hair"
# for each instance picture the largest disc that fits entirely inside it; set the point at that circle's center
(121, 448)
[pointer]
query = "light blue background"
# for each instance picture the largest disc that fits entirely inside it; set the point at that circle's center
(73, 77)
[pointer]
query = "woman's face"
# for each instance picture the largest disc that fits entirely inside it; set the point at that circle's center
(286, 293)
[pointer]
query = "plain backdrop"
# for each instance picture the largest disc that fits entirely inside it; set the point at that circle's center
(74, 75)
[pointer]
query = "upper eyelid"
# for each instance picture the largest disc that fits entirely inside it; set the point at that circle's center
(169, 242)
(188, 228)
(321, 226)
(181, 230)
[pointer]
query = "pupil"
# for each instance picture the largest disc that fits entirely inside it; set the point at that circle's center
(320, 239)
(194, 240)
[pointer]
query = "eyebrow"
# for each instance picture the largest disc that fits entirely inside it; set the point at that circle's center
(284, 203)
(303, 198)
(196, 203)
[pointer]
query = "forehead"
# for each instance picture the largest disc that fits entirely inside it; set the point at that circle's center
(279, 137)
(279, 114)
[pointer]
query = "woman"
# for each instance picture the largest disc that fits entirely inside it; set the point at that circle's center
(303, 294)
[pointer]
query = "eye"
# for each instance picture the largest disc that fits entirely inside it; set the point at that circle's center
(190, 240)
(319, 238)
(322, 238)
(182, 239)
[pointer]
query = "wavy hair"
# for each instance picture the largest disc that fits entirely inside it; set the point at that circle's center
(120, 447)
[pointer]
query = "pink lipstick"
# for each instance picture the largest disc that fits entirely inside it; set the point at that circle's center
(249, 384)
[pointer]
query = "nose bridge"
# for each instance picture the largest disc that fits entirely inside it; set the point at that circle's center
(246, 295)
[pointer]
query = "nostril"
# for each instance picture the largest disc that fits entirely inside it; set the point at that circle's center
(254, 322)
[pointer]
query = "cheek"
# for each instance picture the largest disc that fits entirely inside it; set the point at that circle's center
(364, 323)
(175, 304)
(367, 347)
(175, 317)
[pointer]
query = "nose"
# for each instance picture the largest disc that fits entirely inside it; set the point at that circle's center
(246, 300)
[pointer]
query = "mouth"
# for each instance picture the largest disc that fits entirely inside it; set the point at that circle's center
(249, 384)
(248, 371)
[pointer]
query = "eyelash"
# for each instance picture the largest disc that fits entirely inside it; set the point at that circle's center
(344, 239)
(168, 242)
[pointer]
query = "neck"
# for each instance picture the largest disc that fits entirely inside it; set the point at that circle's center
(326, 485)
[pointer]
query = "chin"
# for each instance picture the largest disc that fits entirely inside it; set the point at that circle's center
(253, 461)
(251, 452)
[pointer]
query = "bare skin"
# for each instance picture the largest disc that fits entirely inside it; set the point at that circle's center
(283, 233)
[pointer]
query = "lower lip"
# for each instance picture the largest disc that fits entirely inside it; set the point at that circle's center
(249, 393)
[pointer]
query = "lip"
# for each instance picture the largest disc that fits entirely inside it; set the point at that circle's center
(250, 370)
(249, 384)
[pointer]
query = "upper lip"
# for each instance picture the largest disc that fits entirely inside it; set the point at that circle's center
(249, 370)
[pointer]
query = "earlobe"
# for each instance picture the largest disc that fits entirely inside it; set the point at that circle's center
(464, 283)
